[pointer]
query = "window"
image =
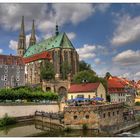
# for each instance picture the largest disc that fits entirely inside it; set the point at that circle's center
(113, 113)
(117, 112)
(71, 96)
(87, 116)
(5, 79)
(75, 117)
(104, 115)
(101, 96)
(108, 114)
(80, 96)
(89, 96)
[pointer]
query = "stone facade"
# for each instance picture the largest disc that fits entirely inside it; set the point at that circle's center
(12, 71)
(61, 87)
(95, 117)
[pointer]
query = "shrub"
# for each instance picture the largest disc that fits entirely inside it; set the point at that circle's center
(137, 103)
(85, 127)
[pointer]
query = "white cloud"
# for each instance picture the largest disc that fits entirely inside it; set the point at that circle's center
(87, 51)
(97, 61)
(14, 44)
(1, 51)
(128, 58)
(73, 13)
(138, 74)
(103, 7)
(127, 31)
(71, 35)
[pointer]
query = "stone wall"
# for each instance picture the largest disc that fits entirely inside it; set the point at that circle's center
(26, 110)
(95, 117)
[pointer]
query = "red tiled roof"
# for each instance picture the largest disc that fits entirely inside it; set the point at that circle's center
(11, 60)
(35, 57)
(85, 87)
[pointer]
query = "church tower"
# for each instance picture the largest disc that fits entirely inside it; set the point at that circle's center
(22, 40)
(32, 38)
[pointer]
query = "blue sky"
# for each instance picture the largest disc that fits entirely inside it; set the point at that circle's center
(105, 35)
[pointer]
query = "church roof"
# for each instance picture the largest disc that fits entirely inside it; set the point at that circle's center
(58, 41)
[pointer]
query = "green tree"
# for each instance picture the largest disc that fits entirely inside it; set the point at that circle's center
(65, 69)
(85, 66)
(107, 75)
(47, 70)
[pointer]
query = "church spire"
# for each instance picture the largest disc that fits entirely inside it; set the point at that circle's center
(56, 30)
(22, 40)
(32, 38)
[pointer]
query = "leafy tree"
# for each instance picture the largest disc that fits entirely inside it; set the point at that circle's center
(47, 70)
(89, 77)
(65, 69)
(85, 66)
(107, 75)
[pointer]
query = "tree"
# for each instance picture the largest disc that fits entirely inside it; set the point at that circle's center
(107, 75)
(89, 77)
(86, 75)
(65, 69)
(47, 70)
(85, 66)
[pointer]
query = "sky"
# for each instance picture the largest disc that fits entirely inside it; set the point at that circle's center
(107, 36)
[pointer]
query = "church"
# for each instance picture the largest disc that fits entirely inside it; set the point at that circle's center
(57, 49)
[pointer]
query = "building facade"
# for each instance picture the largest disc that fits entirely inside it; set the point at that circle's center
(58, 49)
(86, 90)
(12, 71)
(120, 90)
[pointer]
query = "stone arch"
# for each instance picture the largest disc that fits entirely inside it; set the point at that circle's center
(62, 92)
(48, 89)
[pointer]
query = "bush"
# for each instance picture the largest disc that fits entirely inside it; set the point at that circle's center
(85, 127)
(7, 121)
(137, 103)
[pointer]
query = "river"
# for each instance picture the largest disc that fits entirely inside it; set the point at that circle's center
(30, 129)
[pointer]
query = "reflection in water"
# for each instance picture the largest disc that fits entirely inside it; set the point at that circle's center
(47, 130)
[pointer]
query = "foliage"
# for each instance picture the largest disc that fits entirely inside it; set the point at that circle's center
(28, 94)
(47, 70)
(65, 69)
(85, 66)
(67, 129)
(85, 127)
(7, 121)
(107, 75)
(137, 103)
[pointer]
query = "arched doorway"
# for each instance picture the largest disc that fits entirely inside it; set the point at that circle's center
(62, 92)
(48, 89)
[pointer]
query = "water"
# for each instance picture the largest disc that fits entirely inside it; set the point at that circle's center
(39, 130)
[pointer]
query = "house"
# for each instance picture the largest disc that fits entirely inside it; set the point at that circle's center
(86, 90)
(121, 90)
(12, 71)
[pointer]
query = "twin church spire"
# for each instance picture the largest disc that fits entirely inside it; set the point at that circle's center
(22, 37)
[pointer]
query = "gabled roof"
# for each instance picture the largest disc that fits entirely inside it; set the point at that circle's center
(58, 41)
(84, 87)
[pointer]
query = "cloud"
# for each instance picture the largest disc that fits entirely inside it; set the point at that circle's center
(138, 74)
(87, 51)
(71, 35)
(103, 7)
(128, 58)
(91, 51)
(97, 61)
(14, 44)
(1, 51)
(127, 31)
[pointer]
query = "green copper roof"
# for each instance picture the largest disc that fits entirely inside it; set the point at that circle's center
(59, 41)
